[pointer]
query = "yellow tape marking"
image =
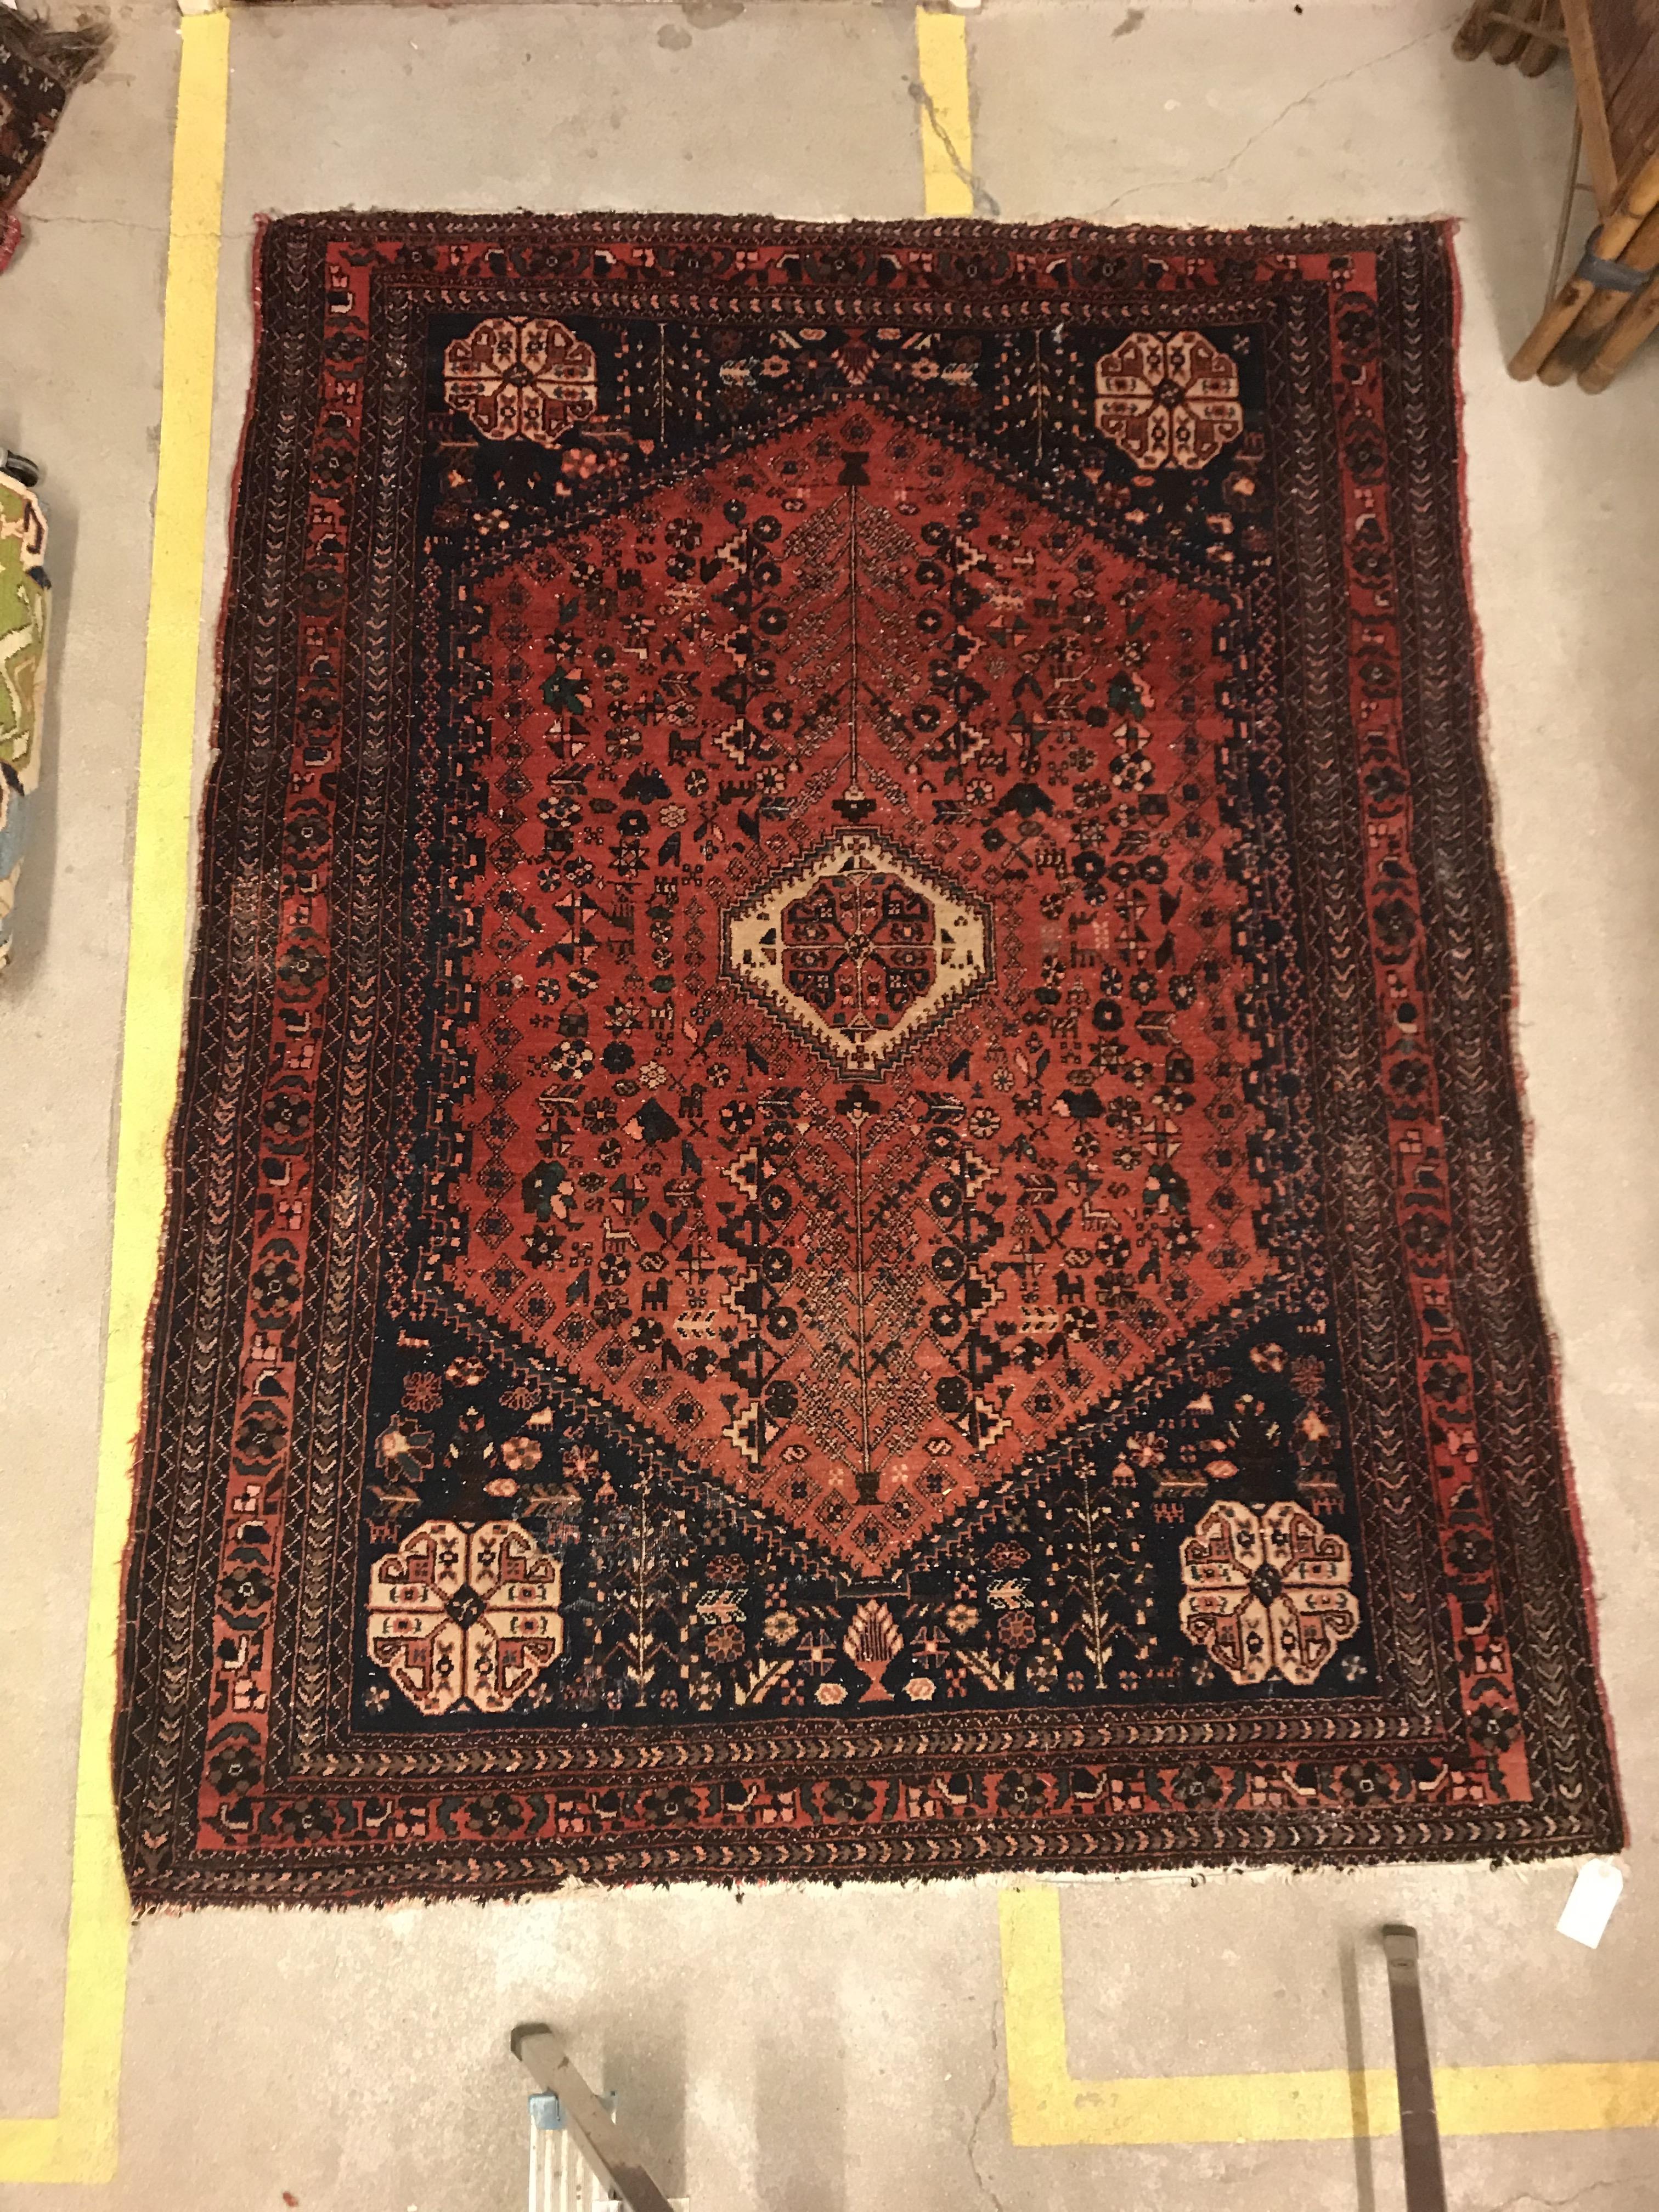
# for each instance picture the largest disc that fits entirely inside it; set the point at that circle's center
(79, 2142)
(946, 128)
(1046, 2106)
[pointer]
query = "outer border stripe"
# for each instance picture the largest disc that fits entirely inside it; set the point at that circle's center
(1046, 2106)
(79, 2142)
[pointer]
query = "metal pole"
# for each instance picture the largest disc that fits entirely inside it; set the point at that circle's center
(1567, 198)
(604, 2147)
(1419, 2128)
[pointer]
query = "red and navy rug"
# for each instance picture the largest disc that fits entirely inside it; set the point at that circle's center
(39, 69)
(849, 1198)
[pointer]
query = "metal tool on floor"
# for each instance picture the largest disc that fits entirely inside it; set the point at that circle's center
(1419, 2126)
(580, 2159)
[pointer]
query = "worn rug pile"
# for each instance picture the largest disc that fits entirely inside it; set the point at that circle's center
(38, 69)
(849, 1198)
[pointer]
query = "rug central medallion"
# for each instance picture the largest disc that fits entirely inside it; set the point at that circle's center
(859, 950)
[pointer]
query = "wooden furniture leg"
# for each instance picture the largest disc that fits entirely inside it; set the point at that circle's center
(1508, 40)
(1546, 41)
(1474, 31)
(1593, 321)
(1576, 295)
(1640, 315)
(1526, 31)
(1604, 306)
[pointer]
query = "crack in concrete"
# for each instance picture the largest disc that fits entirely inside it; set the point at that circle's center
(1530, 2196)
(983, 203)
(33, 220)
(985, 2189)
(1302, 100)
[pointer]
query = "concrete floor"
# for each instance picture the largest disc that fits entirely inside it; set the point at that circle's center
(808, 2049)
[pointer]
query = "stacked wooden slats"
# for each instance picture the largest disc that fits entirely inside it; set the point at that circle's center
(1597, 319)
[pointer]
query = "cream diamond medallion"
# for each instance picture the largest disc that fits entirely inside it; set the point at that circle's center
(860, 950)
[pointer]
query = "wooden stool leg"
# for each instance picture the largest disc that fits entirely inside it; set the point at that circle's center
(1538, 53)
(1564, 310)
(1524, 31)
(1640, 316)
(1474, 31)
(1519, 47)
(1581, 344)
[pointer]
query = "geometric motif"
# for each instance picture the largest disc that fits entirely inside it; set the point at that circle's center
(1169, 401)
(1267, 1590)
(859, 950)
(465, 1614)
(517, 377)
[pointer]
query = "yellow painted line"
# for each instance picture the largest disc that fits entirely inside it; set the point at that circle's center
(1046, 2106)
(943, 113)
(79, 2142)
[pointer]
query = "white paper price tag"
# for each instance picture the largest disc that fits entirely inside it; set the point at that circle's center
(1590, 1908)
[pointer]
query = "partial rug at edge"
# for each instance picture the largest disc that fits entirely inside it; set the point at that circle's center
(849, 1198)
(25, 607)
(38, 69)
